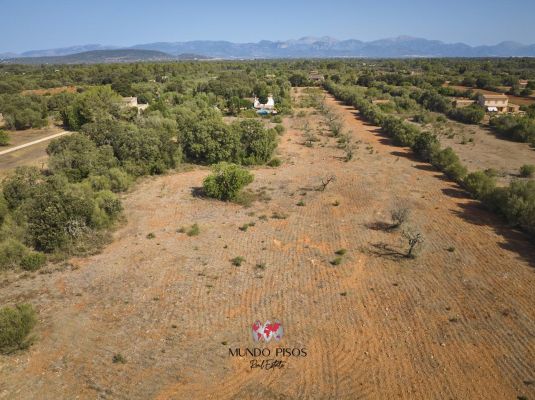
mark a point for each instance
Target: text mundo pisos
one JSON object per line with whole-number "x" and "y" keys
{"x": 268, "y": 359}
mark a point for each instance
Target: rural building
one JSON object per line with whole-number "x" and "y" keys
{"x": 1, "y": 120}
{"x": 381, "y": 101}
{"x": 494, "y": 102}
{"x": 268, "y": 108}
{"x": 513, "y": 108}
{"x": 131, "y": 102}
{"x": 523, "y": 83}
{"x": 460, "y": 103}
{"x": 316, "y": 77}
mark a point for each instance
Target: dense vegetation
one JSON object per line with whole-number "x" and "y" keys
{"x": 69, "y": 207}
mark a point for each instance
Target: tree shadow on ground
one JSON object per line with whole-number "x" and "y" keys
{"x": 380, "y": 226}
{"x": 515, "y": 240}
{"x": 384, "y": 250}
{"x": 473, "y": 212}
{"x": 198, "y": 192}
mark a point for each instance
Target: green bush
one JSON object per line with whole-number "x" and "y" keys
{"x": 447, "y": 161}
{"x": 4, "y": 138}
{"x": 472, "y": 114}
{"x": 274, "y": 162}
{"x": 33, "y": 261}
{"x": 12, "y": 253}
{"x": 518, "y": 204}
{"x": 58, "y": 213}
{"x": 426, "y": 146}
{"x": 527, "y": 170}
{"x": 257, "y": 142}
{"x": 20, "y": 185}
{"x": 226, "y": 181}
{"x": 479, "y": 184}
{"x": 279, "y": 128}
{"x": 423, "y": 118}
{"x": 518, "y": 128}
{"x": 3, "y": 208}
{"x": 16, "y": 324}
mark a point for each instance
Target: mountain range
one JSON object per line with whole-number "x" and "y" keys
{"x": 306, "y": 47}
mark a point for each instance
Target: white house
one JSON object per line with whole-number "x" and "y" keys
{"x": 494, "y": 102}
{"x": 270, "y": 105}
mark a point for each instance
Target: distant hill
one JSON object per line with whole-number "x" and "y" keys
{"x": 307, "y": 47}
{"x": 103, "y": 56}
{"x": 402, "y": 46}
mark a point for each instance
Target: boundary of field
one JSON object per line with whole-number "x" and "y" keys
{"x": 22, "y": 146}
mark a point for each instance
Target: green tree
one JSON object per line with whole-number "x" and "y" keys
{"x": 226, "y": 181}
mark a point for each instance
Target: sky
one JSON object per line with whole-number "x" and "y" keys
{"x": 42, "y": 24}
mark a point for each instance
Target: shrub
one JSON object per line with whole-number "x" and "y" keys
{"x": 448, "y": 162}
{"x": 4, "y": 138}
{"x": 237, "y": 261}
{"x": 194, "y": 230}
{"x": 414, "y": 240}
{"x": 118, "y": 358}
{"x": 12, "y": 252}
{"x": 3, "y": 208}
{"x": 479, "y": 184}
{"x": 109, "y": 203}
{"x": 517, "y": 203}
{"x": 472, "y": 114}
{"x": 257, "y": 142}
{"x": 33, "y": 261}
{"x": 422, "y": 118}
{"x": 226, "y": 181}
{"x": 336, "y": 261}
{"x": 58, "y": 213}
{"x": 527, "y": 170}
{"x": 400, "y": 214}
{"x": 20, "y": 185}
{"x": 279, "y": 128}
{"x": 426, "y": 146}
{"x": 16, "y": 323}
{"x": 274, "y": 162}
{"x": 119, "y": 180}
{"x": 518, "y": 128}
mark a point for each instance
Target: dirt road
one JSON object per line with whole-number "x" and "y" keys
{"x": 457, "y": 322}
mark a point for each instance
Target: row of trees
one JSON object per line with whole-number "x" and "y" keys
{"x": 516, "y": 202}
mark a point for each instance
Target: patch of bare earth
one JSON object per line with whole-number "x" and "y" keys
{"x": 479, "y": 149}
{"x": 453, "y": 324}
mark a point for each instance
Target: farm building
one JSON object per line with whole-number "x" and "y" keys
{"x": 1, "y": 120}
{"x": 460, "y": 103}
{"x": 513, "y": 108}
{"x": 523, "y": 83}
{"x": 132, "y": 102}
{"x": 316, "y": 77}
{"x": 268, "y": 108}
{"x": 494, "y": 102}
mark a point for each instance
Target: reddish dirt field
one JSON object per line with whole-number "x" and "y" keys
{"x": 457, "y": 322}
{"x": 479, "y": 149}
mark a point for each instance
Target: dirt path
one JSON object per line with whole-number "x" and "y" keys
{"x": 455, "y": 323}
{"x": 28, "y": 147}
{"x": 33, "y": 142}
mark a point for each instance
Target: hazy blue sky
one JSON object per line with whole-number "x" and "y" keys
{"x": 40, "y": 24}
